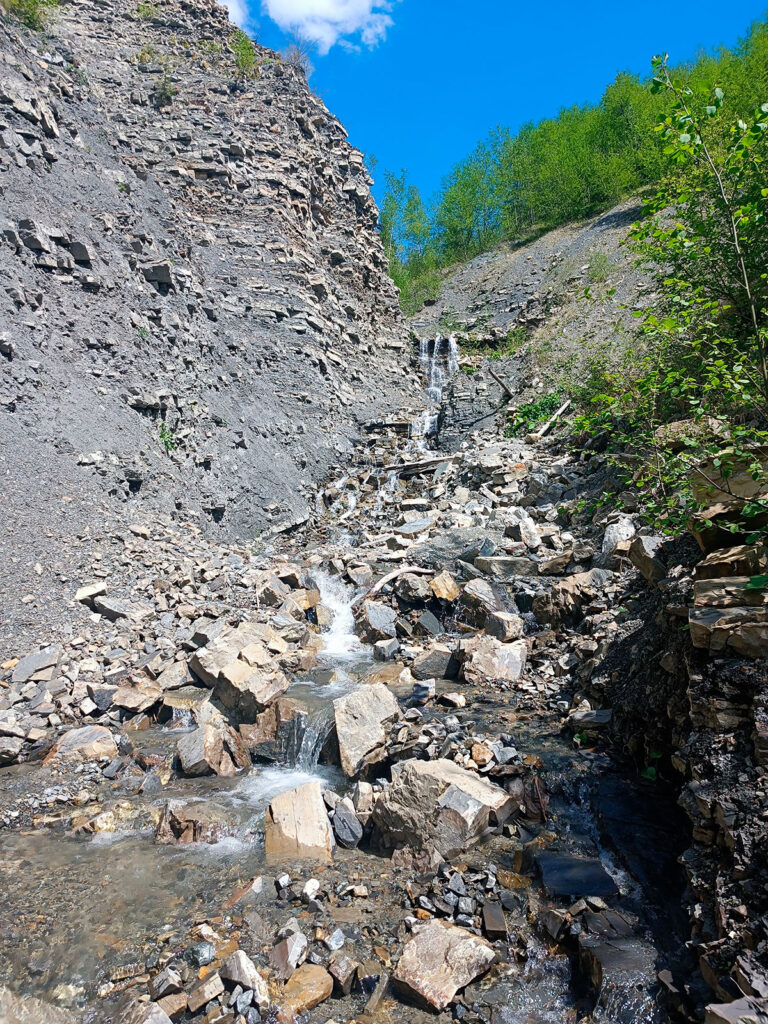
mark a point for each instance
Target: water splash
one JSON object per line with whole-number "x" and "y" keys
{"x": 339, "y": 639}
{"x": 439, "y": 361}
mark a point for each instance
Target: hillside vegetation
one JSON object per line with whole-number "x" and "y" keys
{"x": 516, "y": 185}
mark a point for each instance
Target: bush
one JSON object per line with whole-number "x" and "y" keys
{"x": 164, "y": 92}
{"x": 34, "y": 14}
{"x": 297, "y": 55}
{"x": 245, "y": 54}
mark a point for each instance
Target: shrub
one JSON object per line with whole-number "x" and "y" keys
{"x": 164, "y": 92}
{"x": 245, "y": 53}
{"x": 35, "y": 14}
{"x": 147, "y": 11}
{"x": 297, "y": 55}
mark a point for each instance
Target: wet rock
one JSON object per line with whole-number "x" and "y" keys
{"x": 28, "y": 1010}
{"x": 564, "y": 874}
{"x": 440, "y": 960}
{"x": 486, "y": 659}
{"x": 622, "y": 971}
{"x": 297, "y": 827}
{"x": 748, "y": 1010}
{"x": 437, "y": 803}
{"x": 346, "y": 827}
{"x": 240, "y": 970}
{"x": 174, "y": 1005}
{"x": 200, "y": 954}
{"x": 246, "y": 691}
{"x": 362, "y": 719}
{"x": 88, "y": 743}
{"x": 377, "y": 622}
{"x": 307, "y": 987}
{"x": 494, "y": 922}
{"x": 212, "y": 749}
{"x": 271, "y": 735}
{"x": 429, "y": 624}
{"x": 437, "y": 662}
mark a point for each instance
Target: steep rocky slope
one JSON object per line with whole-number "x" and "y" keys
{"x": 194, "y": 310}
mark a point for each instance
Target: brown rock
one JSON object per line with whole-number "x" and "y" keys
{"x": 439, "y": 961}
{"x": 307, "y": 987}
{"x": 445, "y": 587}
{"x": 297, "y": 827}
{"x": 362, "y": 719}
{"x": 89, "y": 743}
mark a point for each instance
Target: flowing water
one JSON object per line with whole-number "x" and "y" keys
{"x": 74, "y": 908}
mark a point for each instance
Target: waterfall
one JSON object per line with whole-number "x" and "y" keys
{"x": 438, "y": 366}
{"x": 316, "y": 732}
{"x": 339, "y": 639}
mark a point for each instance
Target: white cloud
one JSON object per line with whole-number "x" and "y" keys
{"x": 238, "y": 12}
{"x": 326, "y": 22}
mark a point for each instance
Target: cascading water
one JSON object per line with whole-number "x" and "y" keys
{"x": 439, "y": 361}
{"x": 339, "y": 639}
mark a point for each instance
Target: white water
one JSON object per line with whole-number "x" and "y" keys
{"x": 340, "y": 639}
{"x": 438, "y": 367}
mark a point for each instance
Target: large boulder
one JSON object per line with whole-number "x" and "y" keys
{"x": 440, "y": 960}
{"x": 297, "y": 827}
{"x": 376, "y": 622}
{"x": 89, "y": 743}
{"x": 362, "y": 717}
{"x": 438, "y": 804}
{"x": 486, "y": 659}
{"x": 212, "y": 748}
{"x": 307, "y": 987}
{"x": 247, "y": 690}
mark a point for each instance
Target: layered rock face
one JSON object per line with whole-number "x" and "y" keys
{"x": 195, "y": 313}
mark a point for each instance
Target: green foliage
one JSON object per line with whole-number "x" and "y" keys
{"x": 527, "y": 417}
{"x": 561, "y": 169}
{"x": 697, "y": 389}
{"x": 167, "y": 438}
{"x": 164, "y": 92}
{"x": 147, "y": 11}
{"x": 35, "y": 14}
{"x": 245, "y": 54}
{"x": 599, "y": 268}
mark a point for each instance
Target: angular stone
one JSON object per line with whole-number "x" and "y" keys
{"x": 10, "y": 748}
{"x": 288, "y": 954}
{"x": 269, "y": 737}
{"x": 362, "y": 717}
{"x": 48, "y": 657}
{"x": 438, "y": 662}
{"x": 174, "y": 1005}
{"x": 377, "y": 622}
{"x": 504, "y": 626}
{"x": 748, "y": 1010}
{"x": 207, "y": 662}
{"x": 445, "y": 587}
{"x": 346, "y": 827}
{"x": 412, "y": 588}
{"x": 440, "y": 960}
{"x": 307, "y": 987}
{"x": 246, "y": 691}
{"x": 140, "y": 1013}
{"x": 167, "y": 982}
{"x": 643, "y": 554}
{"x": 241, "y": 970}
{"x": 343, "y": 970}
{"x": 438, "y": 803}
{"x": 506, "y": 567}
{"x": 113, "y": 608}
{"x": 206, "y": 990}
{"x": 494, "y": 922}
{"x": 137, "y": 698}
{"x": 87, "y": 593}
{"x": 212, "y": 749}
{"x": 88, "y": 743}
{"x": 297, "y": 827}
{"x": 487, "y": 660}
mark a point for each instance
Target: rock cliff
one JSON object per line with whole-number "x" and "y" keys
{"x": 195, "y": 313}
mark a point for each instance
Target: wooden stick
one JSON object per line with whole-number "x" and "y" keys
{"x": 537, "y": 435}
{"x": 504, "y": 387}
{"x": 388, "y": 579}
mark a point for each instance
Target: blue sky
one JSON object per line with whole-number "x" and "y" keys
{"x": 417, "y": 83}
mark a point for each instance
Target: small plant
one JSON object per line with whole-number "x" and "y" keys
{"x": 35, "y": 14}
{"x": 146, "y": 11}
{"x": 146, "y": 55}
{"x": 167, "y": 438}
{"x": 526, "y": 417}
{"x": 143, "y": 333}
{"x": 245, "y": 54}
{"x": 599, "y": 268}
{"x": 164, "y": 92}
{"x": 297, "y": 56}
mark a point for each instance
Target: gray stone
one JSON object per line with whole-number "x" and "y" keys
{"x": 362, "y": 719}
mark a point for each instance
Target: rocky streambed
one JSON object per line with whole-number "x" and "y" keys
{"x": 360, "y": 772}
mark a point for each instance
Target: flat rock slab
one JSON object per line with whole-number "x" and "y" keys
{"x": 297, "y": 827}
{"x": 361, "y": 716}
{"x": 564, "y": 874}
{"x": 439, "y": 961}
{"x": 48, "y": 657}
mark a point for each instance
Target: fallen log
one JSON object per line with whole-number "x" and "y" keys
{"x": 379, "y": 586}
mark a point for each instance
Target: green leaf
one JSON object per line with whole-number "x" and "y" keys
{"x": 757, "y": 583}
